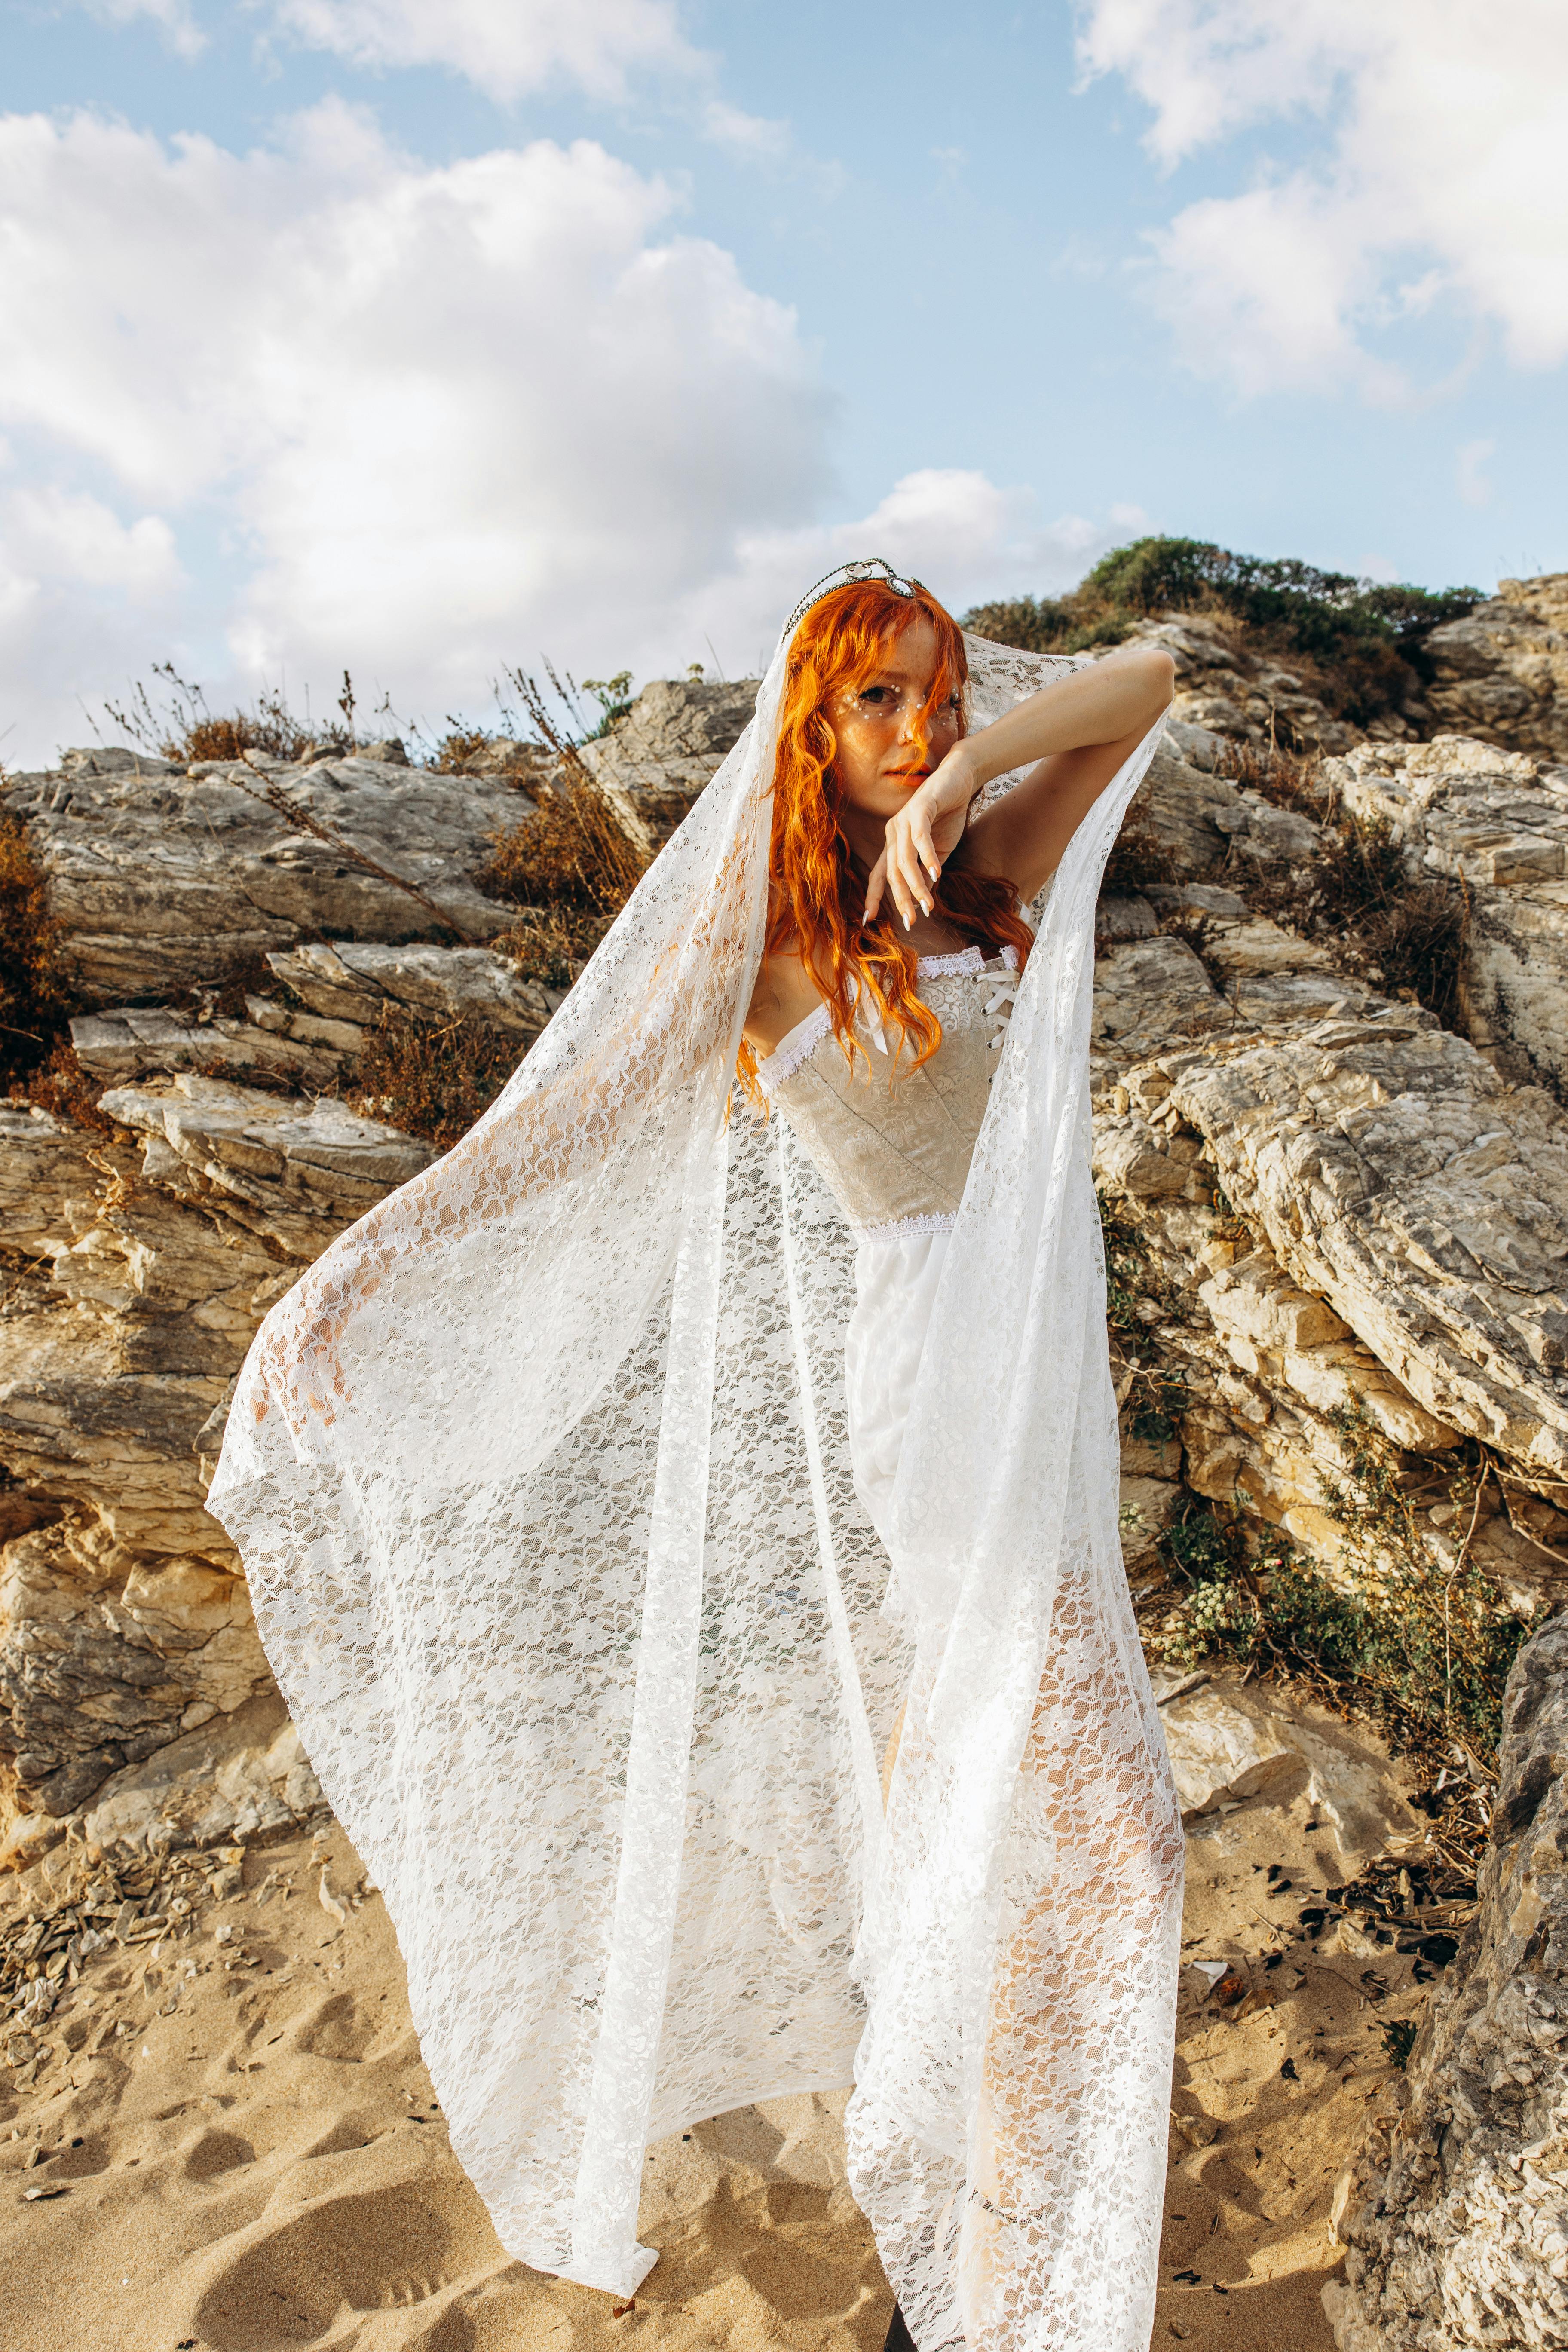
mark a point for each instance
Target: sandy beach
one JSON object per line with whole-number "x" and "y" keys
{"x": 224, "y": 2139}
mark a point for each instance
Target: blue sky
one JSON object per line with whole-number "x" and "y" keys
{"x": 418, "y": 336}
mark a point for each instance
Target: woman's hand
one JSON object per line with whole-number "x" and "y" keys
{"x": 923, "y": 835}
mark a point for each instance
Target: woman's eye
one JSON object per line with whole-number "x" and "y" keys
{"x": 874, "y": 694}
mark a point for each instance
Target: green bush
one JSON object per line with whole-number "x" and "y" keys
{"x": 1361, "y": 634}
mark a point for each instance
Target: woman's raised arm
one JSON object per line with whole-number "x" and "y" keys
{"x": 1078, "y": 731}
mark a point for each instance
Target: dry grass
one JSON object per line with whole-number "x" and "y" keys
{"x": 1136, "y": 856}
{"x": 1402, "y": 933}
{"x": 171, "y": 719}
{"x": 61, "y": 1085}
{"x": 33, "y": 995}
{"x": 431, "y": 1080}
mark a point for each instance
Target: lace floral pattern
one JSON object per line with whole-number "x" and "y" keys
{"x": 542, "y": 1482}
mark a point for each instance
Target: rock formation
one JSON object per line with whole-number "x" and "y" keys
{"x": 1503, "y": 671}
{"x": 1455, "y": 2212}
{"x": 1496, "y": 823}
{"x": 1349, "y": 1225}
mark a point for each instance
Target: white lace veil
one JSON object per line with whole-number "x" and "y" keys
{"x": 542, "y": 1483}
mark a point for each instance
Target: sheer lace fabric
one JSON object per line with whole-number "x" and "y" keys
{"x": 543, "y": 1484}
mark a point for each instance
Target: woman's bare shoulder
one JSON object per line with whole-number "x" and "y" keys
{"x": 784, "y": 994}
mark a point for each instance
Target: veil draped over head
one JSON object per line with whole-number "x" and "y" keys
{"x": 541, "y": 1481}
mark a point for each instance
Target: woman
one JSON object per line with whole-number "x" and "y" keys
{"x": 569, "y": 1539}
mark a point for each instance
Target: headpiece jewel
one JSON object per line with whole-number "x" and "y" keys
{"x": 873, "y": 567}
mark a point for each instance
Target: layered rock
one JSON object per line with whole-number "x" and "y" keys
{"x": 1349, "y": 1211}
{"x": 163, "y": 877}
{"x": 1496, "y": 822}
{"x": 143, "y": 1273}
{"x": 1455, "y": 2212}
{"x": 1503, "y": 671}
{"x": 311, "y": 1032}
{"x": 1224, "y": 687}
{"x": 655, "y": 759}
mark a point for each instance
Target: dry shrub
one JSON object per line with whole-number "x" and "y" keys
{"x": 61, "y": 1087}
{"x": 569, "y": 869}
{"x": 1291, "y": 779}
{"x": 431, "y": 1080}
{"x": 1136, "y": 856}
{"x": 174, "y": 721}
{"x": 1403, "y": 933}
{"x": 570, "y": 854}
{"x": 459, "y": 746}
{"x": 34, "y": 997}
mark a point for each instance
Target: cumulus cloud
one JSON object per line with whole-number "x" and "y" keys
{"x": 1437, "y": 178}
{"x": 507, "y": 47}
{"x": 965, "y": 538}
{"x": 173, "y": 17}
{"x": 323, "y": 405}
{"x": 80, "y": 588}
{"x": 442, "y": 416}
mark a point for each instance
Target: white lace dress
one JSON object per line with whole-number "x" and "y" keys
{"x": 1009, "y": 2242}
{"x": 548, "y": 1510}
{"x": 893, "y": 1143}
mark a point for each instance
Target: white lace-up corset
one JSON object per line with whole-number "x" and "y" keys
{"x": 893, "y": 1141}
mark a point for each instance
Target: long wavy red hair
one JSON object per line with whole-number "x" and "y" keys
{"x": 816, "y": 883}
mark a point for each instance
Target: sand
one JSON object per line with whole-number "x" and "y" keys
{"x": 239, "y": 2150}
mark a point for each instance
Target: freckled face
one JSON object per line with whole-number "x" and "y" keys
{"x": 880, "y": 762}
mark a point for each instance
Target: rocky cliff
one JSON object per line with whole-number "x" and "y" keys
{"x": 1337, "y": 1230}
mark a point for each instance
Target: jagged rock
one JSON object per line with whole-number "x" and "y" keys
{"x": 135, "y": 1289}
{"x": 1229, "y": 1743}
{"x": 163, "y": 881}
{"x": 1148, "y": 1505}
{"x": 1503, "y": 671}
{"x": 1498, "y": 822}
{"x": 1289, "y": 1174}
{"x": 1225, "y": 688}
{"x": 1395, "y": 1175}
{"x": 97, "y": 1673}
{"x": 237, "y": 1778}
{"x": 1455, "y": 2212}
{"x": 356, "y": 981}
{"x": 1188, "y": 816}
{"x": 655, "y": 759}
{"x": 285, "y": 1158}
{"x": 129, "y": 1041}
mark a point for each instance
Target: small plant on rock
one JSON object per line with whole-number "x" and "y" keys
{"x": 431, "y": 1080}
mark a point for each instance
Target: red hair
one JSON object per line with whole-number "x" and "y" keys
{"x": 817, "y": 893}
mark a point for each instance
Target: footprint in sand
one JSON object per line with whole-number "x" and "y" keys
{"x": 213, "y": 2153}
{"x": 298, "y": 2278}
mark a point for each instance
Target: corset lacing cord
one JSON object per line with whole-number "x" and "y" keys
{"x": 1004, "y": 996}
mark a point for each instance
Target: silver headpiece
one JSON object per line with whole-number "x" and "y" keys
{"x": 874, "y": 567}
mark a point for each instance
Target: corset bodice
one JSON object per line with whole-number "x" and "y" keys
{"x": 894, "y": 1141}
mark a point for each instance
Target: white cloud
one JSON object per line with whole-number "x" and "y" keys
{"x": 441, "y": 417}
{"x": 416, "y": 421}
{"x": 1437, "y": 179}
{"x": 322, "y": 405}
{"x": 507, "y": 48}
{"x": 752, "y": 137}
{"x": 965, "y": 538}
{"x": 81, "y": 592}
{"x": 173, "y": 18}
{"x": 64, "y": 535}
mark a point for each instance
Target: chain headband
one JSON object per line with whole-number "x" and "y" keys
{"x": 843, "y": 575}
